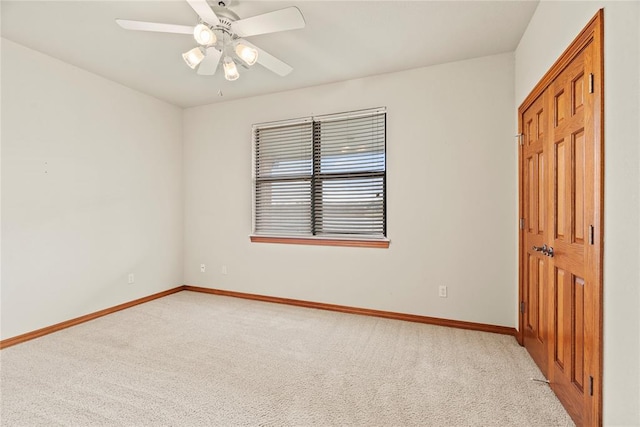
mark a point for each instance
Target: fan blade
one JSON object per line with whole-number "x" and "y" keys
{"x": 204, "y": 11}
{"x": 281, "y": 20}
{"x": 270, "y": 62}
{"x": 209, "y": 64}
{"x": 153, "y": 26}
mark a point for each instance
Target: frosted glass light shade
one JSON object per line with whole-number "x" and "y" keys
{"x": 204, "y": 35}
{"x": 193, "y": 57}
{"x": 247, "y": 54}
{"x": 230, "y": 69}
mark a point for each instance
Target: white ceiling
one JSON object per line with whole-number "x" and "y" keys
{"x": 342, "y": 40}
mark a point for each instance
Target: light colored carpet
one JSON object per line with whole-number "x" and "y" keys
{"x": 194, "y": 360}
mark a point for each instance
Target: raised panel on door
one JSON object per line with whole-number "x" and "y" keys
{"x": 568, "y": 327}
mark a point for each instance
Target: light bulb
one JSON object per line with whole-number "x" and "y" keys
{"x": 247, "y": 54}
{"x": 230, "y": 69}
{"x": 193, "y": 57}
{"x": 204, "y": 35}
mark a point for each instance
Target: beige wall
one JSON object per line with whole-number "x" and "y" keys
{"x": 551, "y": 30}
{"x": 91, "y": 191}
{"x": 451, "y": 197}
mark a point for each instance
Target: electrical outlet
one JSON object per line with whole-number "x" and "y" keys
{"x": 224, "y": 269}
{"x": 131, "y": 279}
{"x": 202, "y": 268}
{"x": 442, "y": 291}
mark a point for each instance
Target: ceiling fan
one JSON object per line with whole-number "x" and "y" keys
{"x": 220, "y": 36}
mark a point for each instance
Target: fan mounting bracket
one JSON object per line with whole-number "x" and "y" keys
{"x": 220, "y": 3}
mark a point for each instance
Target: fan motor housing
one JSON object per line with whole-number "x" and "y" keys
{"x": 225, "y": 15}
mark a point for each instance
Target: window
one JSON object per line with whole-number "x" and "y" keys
{"x": 321, "y": 180}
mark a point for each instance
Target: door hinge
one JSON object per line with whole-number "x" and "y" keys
{"x": 520, "y": 137}
{"x": 591, "y": 83}
{"x": 590, "y": 385}
{"x": 522, "y": 307}
{"x": 521, "y": 223}
{"x": 591, "y": 234}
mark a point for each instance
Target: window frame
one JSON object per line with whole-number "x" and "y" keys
{"x": 348, "y": 240}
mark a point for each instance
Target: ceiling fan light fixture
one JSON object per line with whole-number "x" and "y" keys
{"x": 222, "y": 37}
{"x": 193, "y": 57}
{"x": 204, "y": 35}
{"x": 230, "y": 69}
{"x": 247, "y": 54}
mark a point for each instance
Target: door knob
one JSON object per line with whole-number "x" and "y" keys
{"x": 542, "y": 249}
{"x": 545, "y": 250}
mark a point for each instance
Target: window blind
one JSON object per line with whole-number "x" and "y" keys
{"x": 284, "y": 170}
{"x": 321, "y": 176}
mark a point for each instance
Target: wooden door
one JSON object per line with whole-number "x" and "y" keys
{"x": 569, "y": 208}
{"x": 561, "y": 238}
{"x": 534, "y": 185}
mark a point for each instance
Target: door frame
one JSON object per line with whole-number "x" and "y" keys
{"x": 592, "y": 33}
